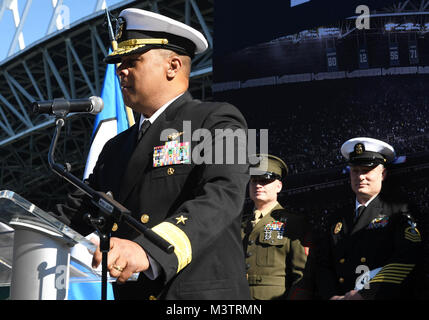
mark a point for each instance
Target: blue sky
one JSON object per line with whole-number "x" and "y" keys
{"x": 38, "y": 19}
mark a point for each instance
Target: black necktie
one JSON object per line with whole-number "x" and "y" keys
{"x": 359, "y": 213}
{"x": 143, "y": 129}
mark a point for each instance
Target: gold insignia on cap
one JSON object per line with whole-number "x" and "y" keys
{"x": 359, "y": 148}
{"x": 181, "y": 219}
{"x": 338, "y": 227}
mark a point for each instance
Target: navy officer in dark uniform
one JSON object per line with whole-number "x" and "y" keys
{"x": 372, "y": 250}
{"x": 191, "y": 199}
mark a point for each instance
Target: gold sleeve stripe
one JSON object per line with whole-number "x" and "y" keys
{"x": 180, "y": 241}
{"x": 385, "y": 280}
{"x": 393, "y": 273}
{"x": 391, "y": 276}
{"x": 396, "y": 269}
{"x": 399, "y": 266}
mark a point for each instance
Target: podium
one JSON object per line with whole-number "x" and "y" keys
{"x": 35, "y": 252}
{"x": 40, "y": 263}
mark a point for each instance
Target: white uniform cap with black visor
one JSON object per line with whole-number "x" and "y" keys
{"x": 139, "y": 31}
{"x": 369, "y": 152}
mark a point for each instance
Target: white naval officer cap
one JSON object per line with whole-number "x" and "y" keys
{"x": 369, "y": 152}
{"x": 138, "y": 31}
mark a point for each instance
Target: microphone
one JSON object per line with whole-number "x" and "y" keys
{"x": 92, "y": 105}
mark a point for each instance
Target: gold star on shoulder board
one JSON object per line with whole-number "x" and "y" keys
{"x": 181, "y": 219}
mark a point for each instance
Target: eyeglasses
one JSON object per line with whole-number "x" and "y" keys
{"x": 261, "y": 180}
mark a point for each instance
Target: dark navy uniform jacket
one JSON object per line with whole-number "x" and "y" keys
{"x": 196, "y": 207}
{"x": 384, "y": 239}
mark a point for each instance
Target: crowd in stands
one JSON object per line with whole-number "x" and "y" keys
{"x": 313, "y": 120}
{"x": 308, "y": 122}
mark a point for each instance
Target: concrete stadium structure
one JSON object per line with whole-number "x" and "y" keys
{"x": 68, "y": 64}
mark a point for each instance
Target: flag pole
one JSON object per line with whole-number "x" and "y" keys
{"x": 114, "y": 43}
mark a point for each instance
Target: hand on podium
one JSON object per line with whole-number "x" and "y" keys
{"x": 124, "y": 259}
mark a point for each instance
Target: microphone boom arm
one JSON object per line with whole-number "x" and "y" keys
{"x": 111, "y": 208}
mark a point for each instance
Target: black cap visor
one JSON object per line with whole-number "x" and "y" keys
{"x": 266, "y": 176}
{"x": 367, "y": 159}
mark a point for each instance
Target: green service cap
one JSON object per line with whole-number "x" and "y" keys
{"x": 268, "y": 166}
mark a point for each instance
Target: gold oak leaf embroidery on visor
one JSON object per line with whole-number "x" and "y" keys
{"x": 132, "y": 44}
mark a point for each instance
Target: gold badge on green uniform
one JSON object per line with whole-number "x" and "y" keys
{"x": 338, "y": 227}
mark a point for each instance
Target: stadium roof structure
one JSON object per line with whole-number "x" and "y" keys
{"x": 68, "y": 64}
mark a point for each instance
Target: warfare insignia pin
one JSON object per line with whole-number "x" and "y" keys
{"x": 174, "y": 136}
{"x": 338, "y": 227}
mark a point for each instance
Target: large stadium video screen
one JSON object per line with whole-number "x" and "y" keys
{"x": 317, "y": 73}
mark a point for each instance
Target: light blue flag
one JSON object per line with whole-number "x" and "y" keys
{"x": 111, "y": 120}
{"x": 108, "y": 123}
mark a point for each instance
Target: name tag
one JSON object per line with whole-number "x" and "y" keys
{"x": 173, "y": 152}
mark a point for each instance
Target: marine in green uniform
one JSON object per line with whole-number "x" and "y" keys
{"x": 275, "y": 257}
{"x": 371, "y": 250}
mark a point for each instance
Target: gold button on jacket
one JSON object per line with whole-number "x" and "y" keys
{"x": 144, "y": 218}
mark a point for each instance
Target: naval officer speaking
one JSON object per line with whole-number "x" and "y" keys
{"x": 193, "y": 206}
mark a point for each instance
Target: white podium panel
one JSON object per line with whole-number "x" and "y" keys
{"x": 35, "y": 247}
